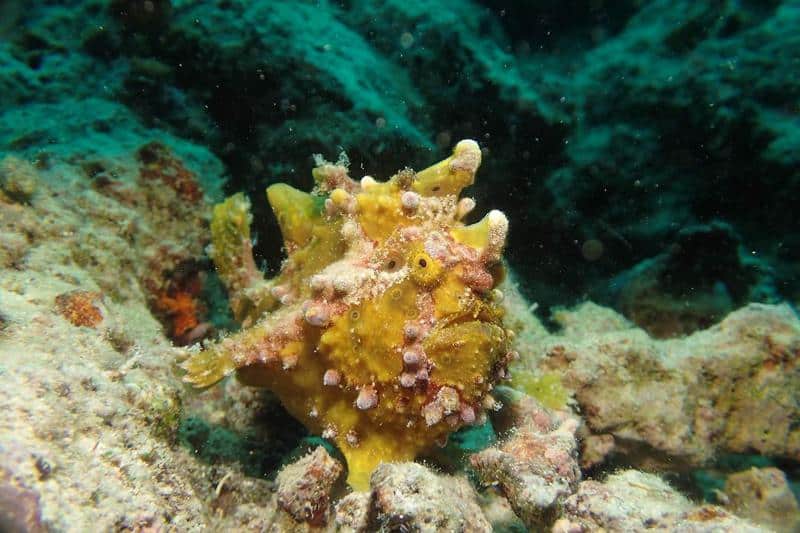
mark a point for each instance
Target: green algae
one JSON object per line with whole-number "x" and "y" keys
{"x": 162, "y": 412}
{"x": 546, "y": 388}
{"x": 213, "y": 444}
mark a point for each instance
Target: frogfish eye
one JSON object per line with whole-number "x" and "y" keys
{"x": 425, "y": 270}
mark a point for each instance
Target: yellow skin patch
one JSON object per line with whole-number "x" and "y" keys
{"x": 381, "y": 331}
{"x": 364, "y": 343}
{"x": 380, "y": 212}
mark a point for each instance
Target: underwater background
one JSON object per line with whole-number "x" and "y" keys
{"x": 646, "y": 154}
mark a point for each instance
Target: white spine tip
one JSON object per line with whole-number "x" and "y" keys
{"x": 367, "y": 398}
{"x": 467, "y": 145}
{"x": 410, "y": 331}
{"x": 464, "y": 207}
{"x": 408, "y": 380}
{"x": 331, "y": 378}
{"x": 467, "y": 156}
{"x": 411, "y": 357}
{"x": 367, "y": 182}
{"x": 317, "y": 316}
{"x": 498, "y": 230}
{"x": 410, "y": 200}
{"x": 498, "y": 220}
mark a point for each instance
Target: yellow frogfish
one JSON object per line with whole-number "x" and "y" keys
{"x": 383, "y": 331}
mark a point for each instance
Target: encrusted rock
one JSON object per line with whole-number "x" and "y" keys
{"x": 18, "y": 180}
{"x": 304, "y": 487}
{"x": 763, "y": 496}
{"x": 79, "y": 307}
{"x": 352, "y": 512}
{"x": 674, "y": 403}
{"x": 410, "y": 497}
{"x": 536, "y": 466}
{"x": 635, "y": 501}
{"x": 19, "y": 506}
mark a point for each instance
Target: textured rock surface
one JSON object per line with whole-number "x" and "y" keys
{"x": 675, "y": 403}
{"x": 635, "y": 501}
{"x": 410, "y": 497}
{"x": 763, "y": 496}
{"x": 536, "y": 466}
{"x": 89, "y": 409}
{"x": 304, "y": 487}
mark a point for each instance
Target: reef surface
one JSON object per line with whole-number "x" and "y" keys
{"x": 98, "y": 430}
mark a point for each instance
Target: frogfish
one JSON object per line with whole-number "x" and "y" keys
{"x": 383, "y": 331}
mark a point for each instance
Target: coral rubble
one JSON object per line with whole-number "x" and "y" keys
{"x": 673, "y": 404}
{"x": 382, "y": 331}
{"x": 635, "y": 501}
{"x": 96, "y": 406}
{"x": 89, "y": 402}
{"x": 304, "y": 487}
{"x": 536, "y": 467}
{"x": 763, "y": 496}
{"x": 410, "y": 497}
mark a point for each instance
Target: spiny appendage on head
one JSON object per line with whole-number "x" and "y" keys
{"x": 232, "y": 253}
{"x": 387, "y": 333}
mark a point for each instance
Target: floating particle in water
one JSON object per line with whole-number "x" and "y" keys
{"x": 406, "y": 40}
{"x": 592, "y": 250}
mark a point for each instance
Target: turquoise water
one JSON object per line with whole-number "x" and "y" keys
{"x": 611, "y": 134}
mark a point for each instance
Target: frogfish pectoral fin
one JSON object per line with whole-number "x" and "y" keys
{"x": 205, "y": 368}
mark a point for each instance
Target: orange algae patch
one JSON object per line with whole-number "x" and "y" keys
{"x": 182, "y": 308}
{"x": 79, "y": 308}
